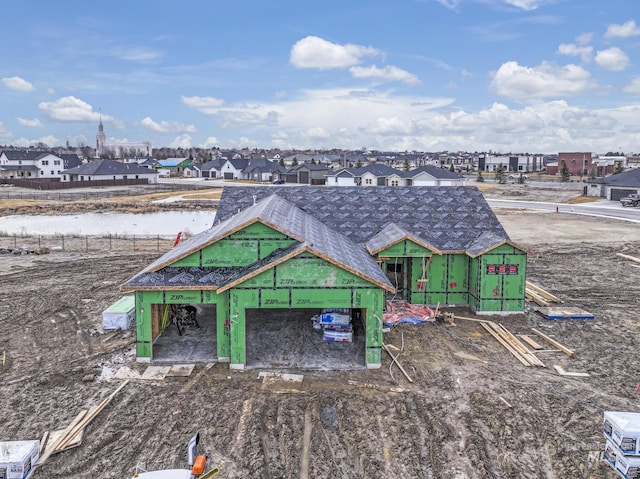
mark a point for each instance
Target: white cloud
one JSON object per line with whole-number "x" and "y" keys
{"x": 316, "y": 52}
{"x": 584, "y": 38}
{"x": 625, "y": 30}
{"x": 69, "y": 109}
{"x": 450, "y": 4}
{"x": 612, "y": 59}
{"x": 544, "y": 81}
{"x": 527, "y": 5}
{"x": 571, "y": 49}
{"x": 388, "y": 73}
{"x": 17, "y": 84}
{"x": 48, "y": 140}
{"x": 633, "y": 86}
{"x": 33, "y": 123}
{"x": 6, "y": 137}
{"x": 210, "y": 142}
{"x": 167, "y": 126}
{"x": 204, "y": 104}
{"x": 135, "y": 54}
{"x": 181, "y": 141}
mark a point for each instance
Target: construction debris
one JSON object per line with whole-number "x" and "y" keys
{"x": 513, "y": 345}
{"x": 507, "y": 339}
{"x": 394, "y": 360}
{"x": 562, "y": 372}
{"x": 17, "y": 458}
{"x": 72, "y": 435}
{"x": 564, "y": 312}
{"x": 554, "y": 343}
{"x": 539, "y": 296}
{"x": 630, "y": 258}
{"x": 530, "y": 341}
{"x": 403, "y": 312}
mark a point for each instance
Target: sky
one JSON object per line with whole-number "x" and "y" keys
{"x": 507, "y": 76}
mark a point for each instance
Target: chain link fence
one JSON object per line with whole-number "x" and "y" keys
{"x": 23, "y": 244}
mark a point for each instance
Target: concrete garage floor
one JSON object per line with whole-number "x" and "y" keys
{"x": 276, "y": 339}
{"x": 195, "y": 345}
{"x": 285, "y": 339}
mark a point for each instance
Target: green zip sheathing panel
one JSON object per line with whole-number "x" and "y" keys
{"x": 498, "y": 280}
{"x": 146, "y": 299}
{"x": 441, "y": 279}
{"x": 404, "y": 248}
{"x": 302, "y": 282}
{"x": 305, "y": 282}
{"x": 242, "y": 248}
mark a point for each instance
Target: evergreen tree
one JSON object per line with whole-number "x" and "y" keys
{"x": 618, "y": 168}
{"x": 281, "y": 162}
{"x": 521, "y": 179}
{"x": 405, "y": 166}
{"x": 480, "y": 178}
{"x": 451, "y": 168}
{"x": 501, "y": 176}
{"x": 593, "y": 173}
{"x": 358, "y": 163}
{"x": 295, "y": 161}
{"x": 564, "y": 172}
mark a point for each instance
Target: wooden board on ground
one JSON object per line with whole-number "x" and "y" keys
{"x": 155, "y": 372}
{"x": 125, "y": 372}
{"x": 562, "y": 372}
{"x": 75, "y": 441}
{"x": 274, "y": 377}
{"x": 554, "y": 343}
{"x": 530, "y": 341}
{"x": 564, "y": 312}
{"x": 181, "y": 370}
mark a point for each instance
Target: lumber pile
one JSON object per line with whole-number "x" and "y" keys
{"x": 554, "y": 343}
{"x": 71, "y": 436}
{"x": 539, "y": 296}
{"x": 512, "y": 344}
{"x": 508, "y": 340}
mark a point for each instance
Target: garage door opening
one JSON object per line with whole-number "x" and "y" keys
{"x": 287, "y": 339}
{"x": 194, "y": 341}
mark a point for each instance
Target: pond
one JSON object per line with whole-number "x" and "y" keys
{"x": 162, "y": 223}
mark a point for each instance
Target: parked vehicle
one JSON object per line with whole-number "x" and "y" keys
{"x": 631, "y": 200}
{"x": 517, "y": 175}
{"x": 278, "y": 182}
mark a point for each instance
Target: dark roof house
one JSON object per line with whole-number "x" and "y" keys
{"x": 309, "y": 249}
{"x": 109, "y": 170}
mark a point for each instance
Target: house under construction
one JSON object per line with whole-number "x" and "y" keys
{"x": 275, "y": 251}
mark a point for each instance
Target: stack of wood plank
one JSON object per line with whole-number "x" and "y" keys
{"x": 513, "y": 344}
{"x": 71, "y": 436}
{"x": 539, "y": 296}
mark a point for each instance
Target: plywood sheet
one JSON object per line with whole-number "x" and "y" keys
{"x": 564, "y": 312}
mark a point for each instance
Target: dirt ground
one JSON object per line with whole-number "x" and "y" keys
{"x": 472, "y": 411}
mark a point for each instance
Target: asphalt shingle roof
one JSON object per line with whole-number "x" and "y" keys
{"x": 630, "y": 178}
{"x": 108, "y": 167}
{"x": 447, "y": 218}
{"x": 310, "y": 235}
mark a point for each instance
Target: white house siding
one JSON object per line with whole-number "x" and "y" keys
{"x": 152, "y": 178}
{"x": 228, "y": 171}
{"x": 395, "y": 180}
{"x": 346, "y": 181}
{"x": 50, "y": 166}
{"x": 367, "y": 179}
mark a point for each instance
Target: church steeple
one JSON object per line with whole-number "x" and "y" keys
{"x": 100, "y": 139}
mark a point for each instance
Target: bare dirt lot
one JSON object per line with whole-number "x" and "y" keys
{"x": 472, "y": 410}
